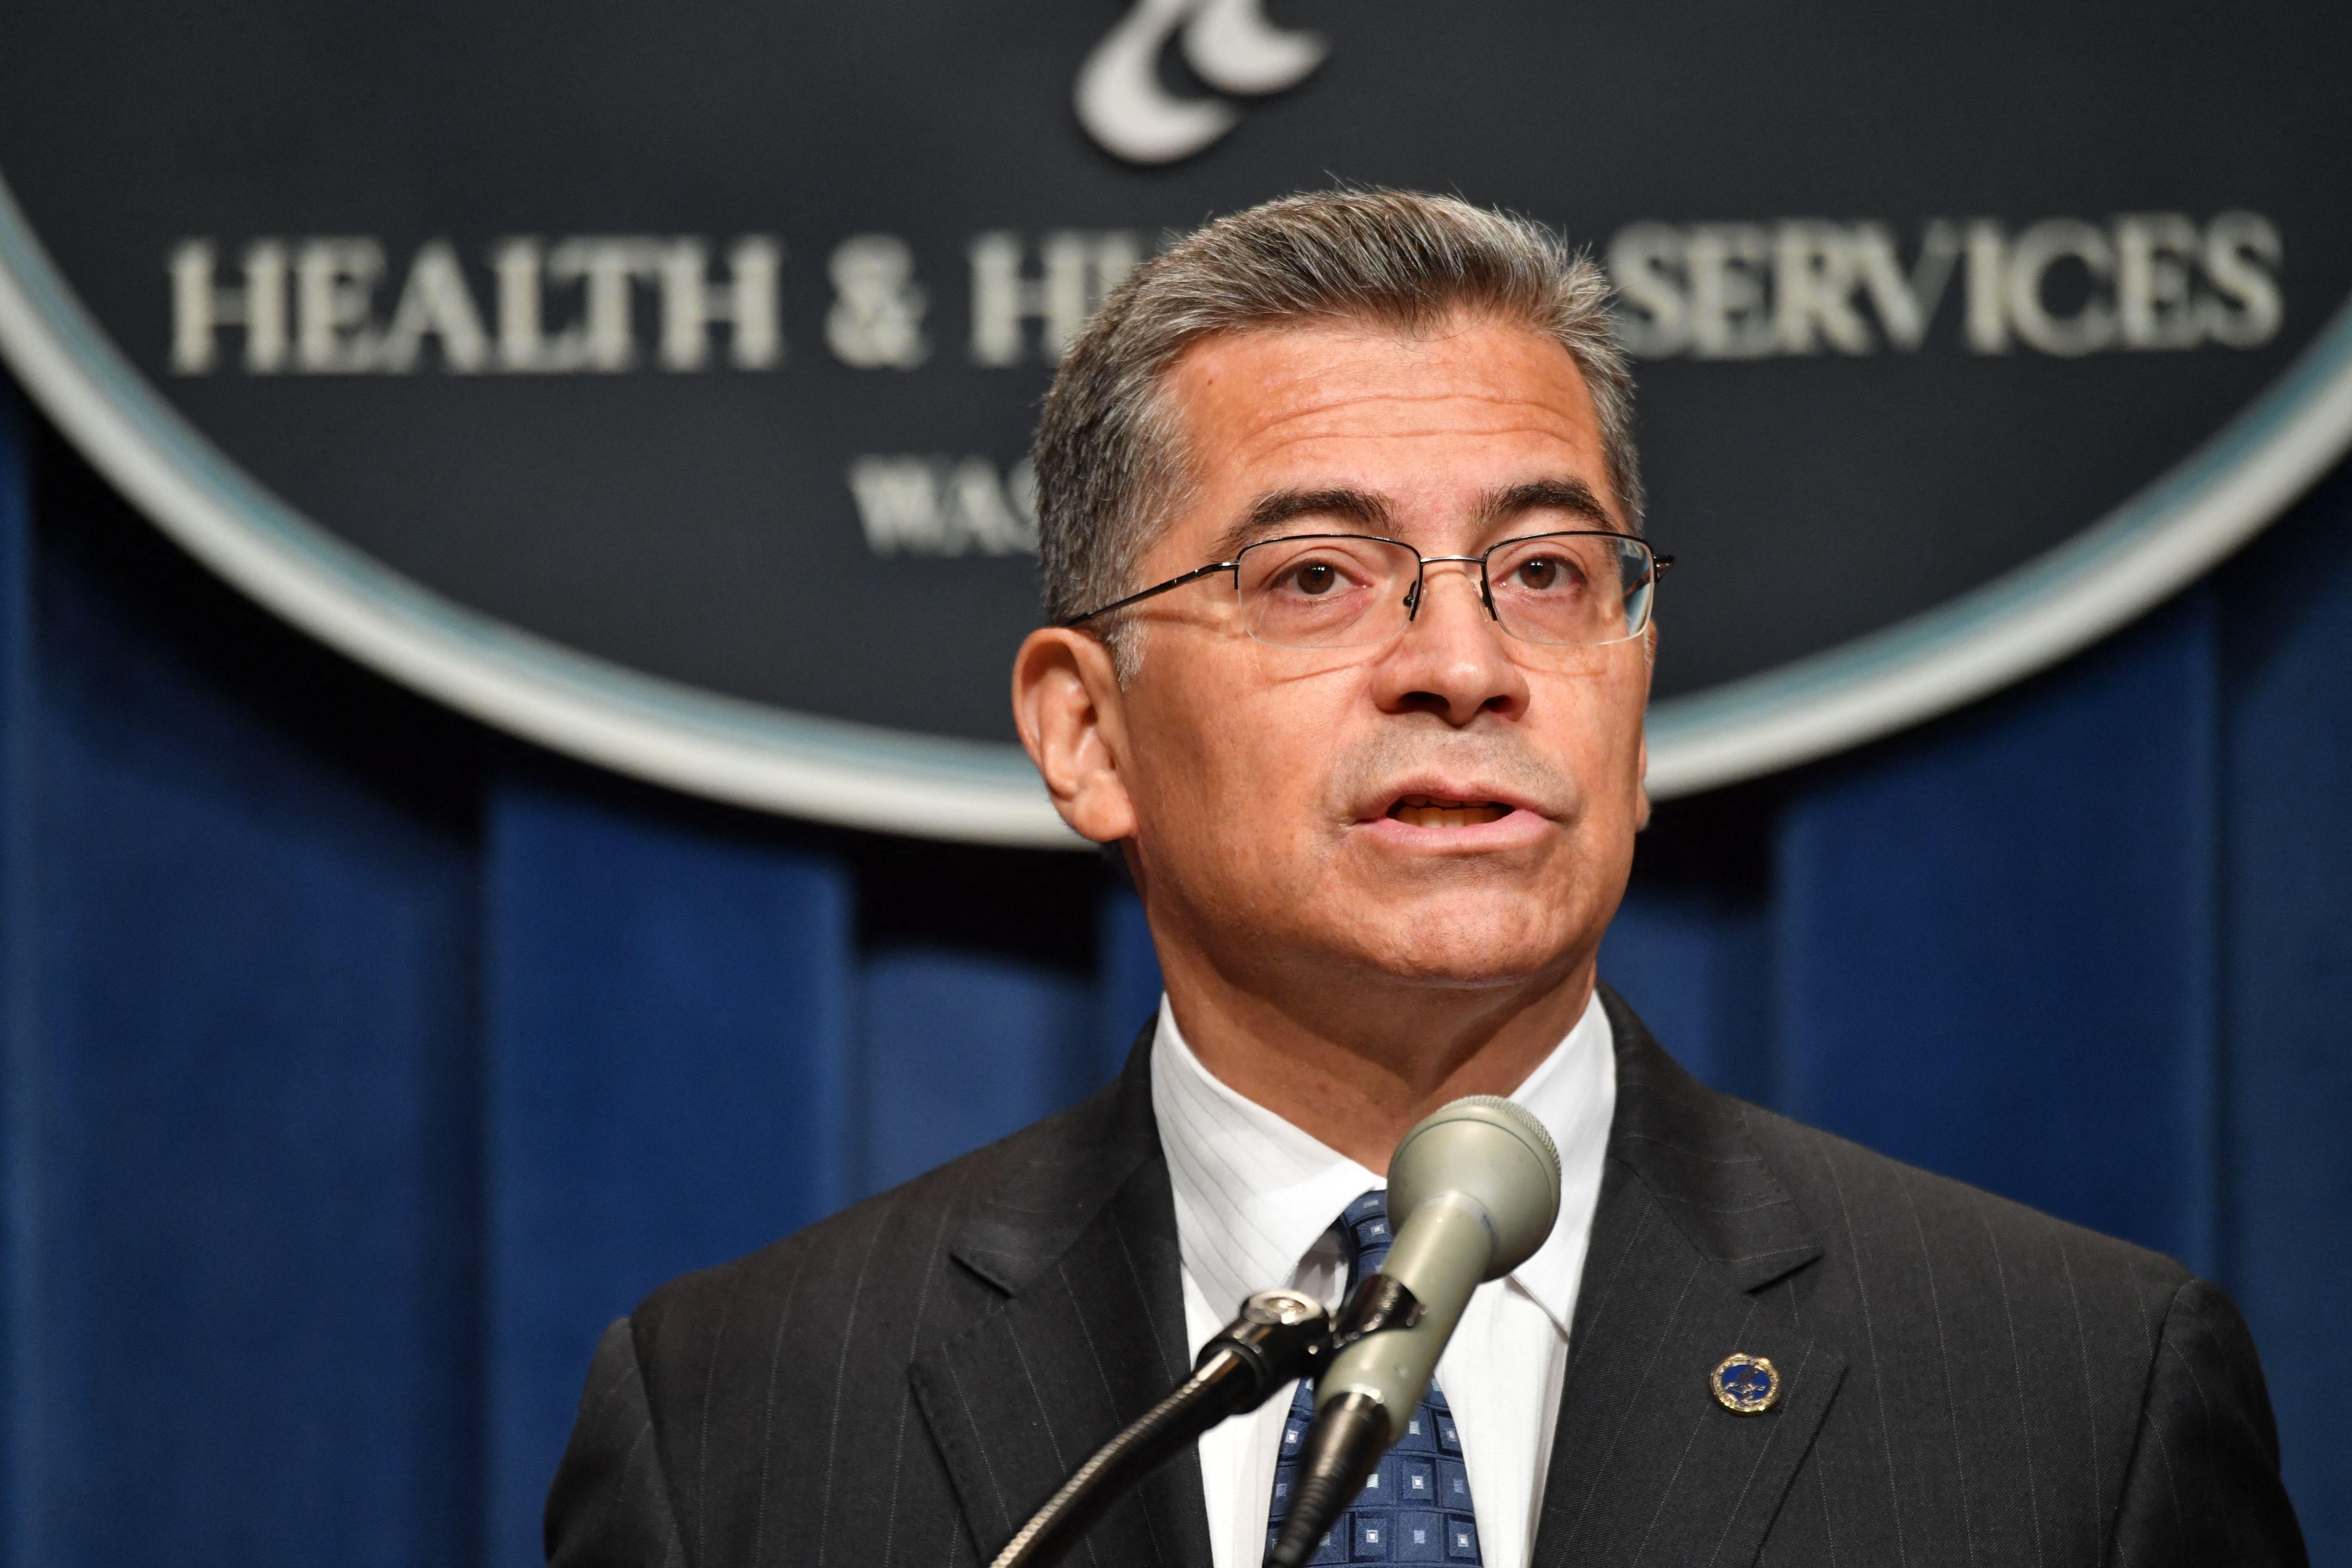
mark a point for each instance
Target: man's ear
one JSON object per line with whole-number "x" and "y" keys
{"x": 1067, "y": 704}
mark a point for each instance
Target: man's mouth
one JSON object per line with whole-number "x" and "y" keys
{"x": 1433, "y": 811}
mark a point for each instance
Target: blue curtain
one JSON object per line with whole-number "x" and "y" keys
{"x": 357, "y": 1065}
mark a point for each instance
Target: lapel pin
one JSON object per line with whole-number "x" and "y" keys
{"x": 1745, "y": 1385}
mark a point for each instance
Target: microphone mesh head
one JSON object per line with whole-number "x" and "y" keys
{"x": 1492, "y": 1151}
{"x": 1518, "y": 1114}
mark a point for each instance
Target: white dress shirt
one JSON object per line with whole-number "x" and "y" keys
{"x": 1254, "y": 1202}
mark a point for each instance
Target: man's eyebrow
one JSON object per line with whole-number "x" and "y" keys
{"x": 1568, "y": 495}
{"x": 1270, "y": 512}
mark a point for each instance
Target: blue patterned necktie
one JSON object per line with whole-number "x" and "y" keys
{"x": 1416, "y": 1507}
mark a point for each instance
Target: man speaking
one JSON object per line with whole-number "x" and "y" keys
{"x": 1352, "y": 636}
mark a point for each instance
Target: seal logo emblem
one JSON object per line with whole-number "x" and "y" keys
{"x": 1745, "y": 1385}
{"x": 1228, "y": 44}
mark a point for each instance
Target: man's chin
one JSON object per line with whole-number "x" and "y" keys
{"x": 1477, "y": 944}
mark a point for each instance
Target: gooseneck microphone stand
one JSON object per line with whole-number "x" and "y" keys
{"x": 1281, "y": 1336}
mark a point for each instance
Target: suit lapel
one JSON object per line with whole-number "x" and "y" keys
{"x": 1692, "y": 1235}
{"x": 1089, "y": 1336}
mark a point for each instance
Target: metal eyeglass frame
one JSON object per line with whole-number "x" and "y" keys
{"x": 1658, "y": 565}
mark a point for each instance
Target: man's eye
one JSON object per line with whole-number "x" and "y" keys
{"x": 1538, "y": 574}
{"x": 1315, "y": 577}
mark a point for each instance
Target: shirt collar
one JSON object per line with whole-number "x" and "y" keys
{"x": 1254, "y": 1194}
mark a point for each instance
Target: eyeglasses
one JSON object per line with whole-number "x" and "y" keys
{"x": 1355, "y": 590}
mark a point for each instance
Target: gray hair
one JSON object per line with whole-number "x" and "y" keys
{"x": 1109, "y": 450}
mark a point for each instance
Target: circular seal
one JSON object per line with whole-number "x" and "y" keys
{"x": 1745, "y": 1385}
{"x": 678, "y": 421}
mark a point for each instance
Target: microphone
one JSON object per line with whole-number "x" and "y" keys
{"x": 1474, "y": 1189}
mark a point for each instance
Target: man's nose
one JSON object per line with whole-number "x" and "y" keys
{"x": 1451, "y": 659}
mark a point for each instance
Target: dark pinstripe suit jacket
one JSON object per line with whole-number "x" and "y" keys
{"x": 1967, "y": 1381}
